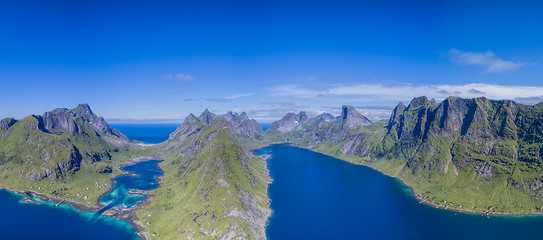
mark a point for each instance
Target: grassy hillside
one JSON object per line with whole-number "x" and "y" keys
{"x": 212, "y": 189}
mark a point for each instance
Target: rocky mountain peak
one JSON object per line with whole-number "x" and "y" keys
{"x": 242, "y": 125}
{"x": 394, "y": 117}
{"x": 191, "y": 125}
{"x": 191, "y": 119}
{"x": 290, "y": 122}
{"x": 244, "y": 116}
{"x": 7, "y": 123}
{"x": 327, "y": 117}
{"x": 351, "y": 119}
{"x": 207, "y": 117}
{"x": 421, "y": 101}
{"x": 83, "y": 109}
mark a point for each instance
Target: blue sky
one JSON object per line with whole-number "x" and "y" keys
{"x": 163, "y": 60}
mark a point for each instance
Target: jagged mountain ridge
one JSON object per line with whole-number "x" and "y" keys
{"x": 239, "y": 124}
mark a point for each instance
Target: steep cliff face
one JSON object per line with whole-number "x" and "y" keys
{"x": 58, "y": 143}
{"x": 352, "y": 119}
{"x": 479, "y": 134}
{"x": 213, "y": 187}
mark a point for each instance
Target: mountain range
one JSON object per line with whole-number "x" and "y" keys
{"x": 483, "y": 155}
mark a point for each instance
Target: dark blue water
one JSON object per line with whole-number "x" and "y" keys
{"x": 146, "y": 179}
{"x": 314, "y": 196}
{"x": 43, "y": 220}
{"x": 265, "y": 126}
{"x": 146, "y": 132}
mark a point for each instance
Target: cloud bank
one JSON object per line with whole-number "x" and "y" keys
{"x": 229, "y": 98}
{"x": 403, "y": 92}
{"x": 488, "y": 60}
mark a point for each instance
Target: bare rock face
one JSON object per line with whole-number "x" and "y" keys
{"x": 242, "y": 125}
{"x": 352, "y": 119}
{"x": 6, "y": 123}
{"x": 190, "y": 126}
{"x": 291, "y": 122}
{"x": 326, "y": 117}
{"x": 79, "y": 121}
{"x": 207, "y": 117}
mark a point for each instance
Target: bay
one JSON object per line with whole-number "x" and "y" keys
{"x": 45, "y": 220}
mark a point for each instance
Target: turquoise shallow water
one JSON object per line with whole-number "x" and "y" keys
{"x": 315, "y": 196}
{"x": 147, "y": 172}
{"x": 43, "y": 220}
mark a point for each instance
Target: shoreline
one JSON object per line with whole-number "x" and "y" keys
{"x": 124, "y": 214}
{"x": 267, "y": 157}
{"x": 413, "y": 193}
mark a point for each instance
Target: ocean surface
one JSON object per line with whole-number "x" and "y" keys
{"x": 146, "y": 132}
{"x": 315, "y": 196}
{"x": 265, "y": 126}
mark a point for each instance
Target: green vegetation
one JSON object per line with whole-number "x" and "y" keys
{"x": 470, "y": 154}
{"x": 212, "y": 188}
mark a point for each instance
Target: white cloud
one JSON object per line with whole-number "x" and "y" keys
{"x": 229, "y": 98}
{"x": 487, "y": 60}
{"x": 405, "y": 92}
{"x": 181, "y": 77}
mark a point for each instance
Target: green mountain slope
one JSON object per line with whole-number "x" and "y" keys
{"x": 478, "y": 153}
{"x": 213, "y": 188}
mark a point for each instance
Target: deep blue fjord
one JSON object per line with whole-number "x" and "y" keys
{"x": 315, "y": 196}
